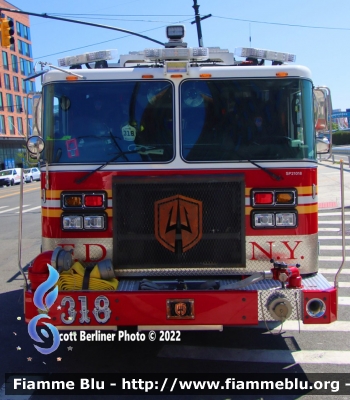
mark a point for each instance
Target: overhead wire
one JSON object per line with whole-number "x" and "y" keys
{"x": 283, "y": 24}
{"x": 105, "y": 41}
{"x": 107, "y": 16}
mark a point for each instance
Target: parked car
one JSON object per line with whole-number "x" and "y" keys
{"x": 10, "y": 177}
{"x": 322, "y": 143}
{"x": 32, "y": 174}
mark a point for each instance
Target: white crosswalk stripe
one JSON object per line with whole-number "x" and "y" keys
{"x": 16, "y": 210}
{"x": 333, "y": 271}
{"x": 30, "y": 209}
{"x": 9, "y": 209}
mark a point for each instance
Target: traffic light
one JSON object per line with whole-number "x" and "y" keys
{"x": 7, "y": 32}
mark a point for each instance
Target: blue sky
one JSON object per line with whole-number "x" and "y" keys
{"x": 317, "y": 31}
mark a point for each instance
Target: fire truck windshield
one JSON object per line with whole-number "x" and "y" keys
{"x": 221, "y": 120}
{"x": 104, "y": 122}
{"x": 247, "y": 119}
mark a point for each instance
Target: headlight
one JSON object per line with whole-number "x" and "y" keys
{"x": 84, "y": 222}
{"x": 94, "y": 222}
{"x": 285, "y": 219}
{"x": 264, "y": 219}
{"x": 274, "y": 219}
{"x": 72, "y": 222}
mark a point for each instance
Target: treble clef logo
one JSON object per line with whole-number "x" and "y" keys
{"x": 50, "y": 298}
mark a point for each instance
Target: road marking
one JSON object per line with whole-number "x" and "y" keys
{"x": 344, "y": 284}
{"x": 11, "y": 209}
{"x": 294, "y": 325}
{"x": 30, "y": 209}
{"x": 335, "y": 247}
{"x": 329, "y": 222}
{"x": 332, "y": 237}
{"x": 344, "y": 271}
{"x": 330, "y": 258}
{"x": 343, "y": 301}
{"x": 329, "y": 214}
{"x": 16, "y": 193}
{"x": 329, "y": 229}
{"x": 249, "y": 355}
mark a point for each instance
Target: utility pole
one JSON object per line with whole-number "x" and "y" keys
{"x": 197, "y": 21}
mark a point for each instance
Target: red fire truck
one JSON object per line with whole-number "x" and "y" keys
{"x": 179, "y": 190}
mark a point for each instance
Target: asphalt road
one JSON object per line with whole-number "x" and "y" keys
{"x": 315, "y": 349}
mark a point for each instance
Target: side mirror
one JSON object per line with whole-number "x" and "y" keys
{"x": 323, "y": 119}
{"x": 35, "y": 145}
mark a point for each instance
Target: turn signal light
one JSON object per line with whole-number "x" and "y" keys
{"x": 73, "y": 201}
{"x": 285, "y": 198}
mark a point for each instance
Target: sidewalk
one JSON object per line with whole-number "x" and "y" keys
{"x": 329, "y": 195}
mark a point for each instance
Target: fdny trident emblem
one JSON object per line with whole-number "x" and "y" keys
{"x": 180, "y": 309}
{"x": 178, "y": 222}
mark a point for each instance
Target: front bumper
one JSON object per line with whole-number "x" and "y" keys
{"x": 129, "y": 306}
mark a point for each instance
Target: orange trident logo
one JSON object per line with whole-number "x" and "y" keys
{"x": 178, "y": 222}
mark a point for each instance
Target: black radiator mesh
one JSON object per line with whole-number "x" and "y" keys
{"x": 222, "y": 239}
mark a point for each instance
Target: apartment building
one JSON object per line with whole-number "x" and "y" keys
{"x": 15, "y": 106}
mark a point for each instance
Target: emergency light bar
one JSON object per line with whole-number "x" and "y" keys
{"x": 177, "y": 53}
{"x": 264, "y": 54}
{"x": 87, "y": 58}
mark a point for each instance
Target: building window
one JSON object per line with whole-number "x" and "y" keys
{"x": 23, "y": 65}
{"x": 11, "y": 122}
{"x": 15, "y": 84}
{"x": 31, "y": 86}
{"x": 24, "y": 48}
{"x": 20, "y": 50}
{"x": 24, "y": 86}
{"x": 20, "y": 125}
{"x": 1, "y": 103}
{"x": 9, "y": 100}
{"x": 5, "y": 61}
{"x": 30, "y": 127}
{"x": 7, "y": 81}
{"x": 29, "y": 68}
{"x": 23, "y": 31}
{"x": 28, "y": 106}
{"x": 18, "y": 103}
{"x": 2, "y": 124}
{"x": 14, "y": 62}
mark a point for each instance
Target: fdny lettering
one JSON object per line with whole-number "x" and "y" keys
{"x": 268, "y": 253}
{"x": 90, "y": 251}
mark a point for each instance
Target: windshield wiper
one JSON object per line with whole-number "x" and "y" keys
{"x": 138, "y": 149}
{"x": 270, "y": 173}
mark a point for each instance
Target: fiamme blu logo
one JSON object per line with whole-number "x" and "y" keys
{"x": 44, "y": 292}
